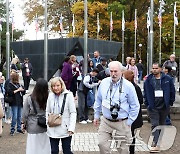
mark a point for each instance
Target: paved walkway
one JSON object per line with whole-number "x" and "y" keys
{"x": 85, "y": 140}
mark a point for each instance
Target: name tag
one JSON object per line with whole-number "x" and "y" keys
{"x": 1, "y": 95}
{"x": 158, "y": 93}
{"x": 97, "y": 63}
{"x": 174, "y": 68}
{"x": 106, "y": 103}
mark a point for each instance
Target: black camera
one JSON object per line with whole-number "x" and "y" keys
{"x": 95, "y": 80}
{"x": 114, "y": 111}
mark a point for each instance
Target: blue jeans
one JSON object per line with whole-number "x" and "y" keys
{"x": 16, "y": 118}
{"x": 174, "y": 79}
{"x": 66, "y": 145}
{"x": 8, "y": 113}
{"x": 140, "y": 73}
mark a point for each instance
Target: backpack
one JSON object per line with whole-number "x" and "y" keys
{"x": 82, "y": 87}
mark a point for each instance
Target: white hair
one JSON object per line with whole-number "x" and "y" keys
{"x": 116, "y": 63}
{"x": 172, "y": 55}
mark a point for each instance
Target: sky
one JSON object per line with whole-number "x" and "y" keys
{"x": 19, "y": 18}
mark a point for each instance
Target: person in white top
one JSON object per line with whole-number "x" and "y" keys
{"x": 64, "y": 131}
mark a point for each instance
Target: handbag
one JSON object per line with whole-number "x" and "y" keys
{"x": 56, "y": 119}
{"x": 8, "y": 99}
{"x": 41, "y": 119}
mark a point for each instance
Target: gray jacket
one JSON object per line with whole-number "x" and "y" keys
{"x": 30, "y": 118}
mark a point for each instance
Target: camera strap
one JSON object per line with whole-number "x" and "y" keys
{"x": 120, "y": 91}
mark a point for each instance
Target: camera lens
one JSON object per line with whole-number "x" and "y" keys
{"x": 114, "y": 111}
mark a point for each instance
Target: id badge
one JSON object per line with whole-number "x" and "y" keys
{"x": 97, "y": 63}
{"x": 158, "y": 93}
{"x": 174, "y": 68}
{"x": 106, "y": 103}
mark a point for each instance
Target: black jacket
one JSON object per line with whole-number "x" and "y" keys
{"x": 23, "y": 68}
{"x": 17, "y": 97}
{"x": 139, "y": 121}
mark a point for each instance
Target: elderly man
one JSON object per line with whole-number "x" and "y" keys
{"x": 173, "y": 65}
{"x": 118, "y": 102}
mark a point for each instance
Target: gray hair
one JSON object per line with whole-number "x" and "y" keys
{"x": 172, "y": 55}
{"x": 116, "y": 63}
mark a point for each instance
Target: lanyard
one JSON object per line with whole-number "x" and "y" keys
{"x": 56, "y": 98}
{"x": 120, "y": 91}
{"x": 155, "y": 83}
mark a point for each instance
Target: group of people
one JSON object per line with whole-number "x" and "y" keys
{"x": 120, "y": 104}
{"x": 84, "y": 85}
{"x": 11, "y": 93}
{"x": 117, "y": 105}
{"x": 46, "y": 140}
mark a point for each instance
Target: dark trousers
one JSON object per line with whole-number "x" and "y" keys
{"x": 82, "y": 106}
{"x": 26, "y": 80}
{"x": 132, "y": 147}
{"x": 157, "y": 117}
{"x": 66, "y": 145}
{"x": 73, "y": 87}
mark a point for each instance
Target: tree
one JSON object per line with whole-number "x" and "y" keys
{"x": 55, "y": 9}
{"x": 104, "y": 7}
{"x": 16, "y": 33}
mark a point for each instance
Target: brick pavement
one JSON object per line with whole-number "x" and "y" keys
{"x": 84, "y": 141}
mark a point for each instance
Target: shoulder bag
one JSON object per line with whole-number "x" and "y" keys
{"x": 56, "y": 119}
{"x": 41, "y": 118}
{"x": 8, "y": 99}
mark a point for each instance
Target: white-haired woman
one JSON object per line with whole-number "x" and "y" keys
{"x": 67, "y": 127}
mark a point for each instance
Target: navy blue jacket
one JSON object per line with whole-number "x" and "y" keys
{"x": 168, "y": 91}
{"x": 94, "y": 60}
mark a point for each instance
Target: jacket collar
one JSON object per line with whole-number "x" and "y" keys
{"x": 151, "y": 76}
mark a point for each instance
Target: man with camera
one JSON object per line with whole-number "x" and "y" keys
{"x": 118, "y": 102}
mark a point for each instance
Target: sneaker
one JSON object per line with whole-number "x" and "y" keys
{"x": 83, "y": 122}
{"x": 154, "y": 149}
{"x": 12, "y": 133}
{"x": 8, "y": 121}
{"x": 20, "y": 131}
{"x": 89, "y": 121}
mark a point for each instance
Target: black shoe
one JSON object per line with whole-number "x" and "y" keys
{"x": 20, "y": 131}
{"x": 12, "y": 133}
